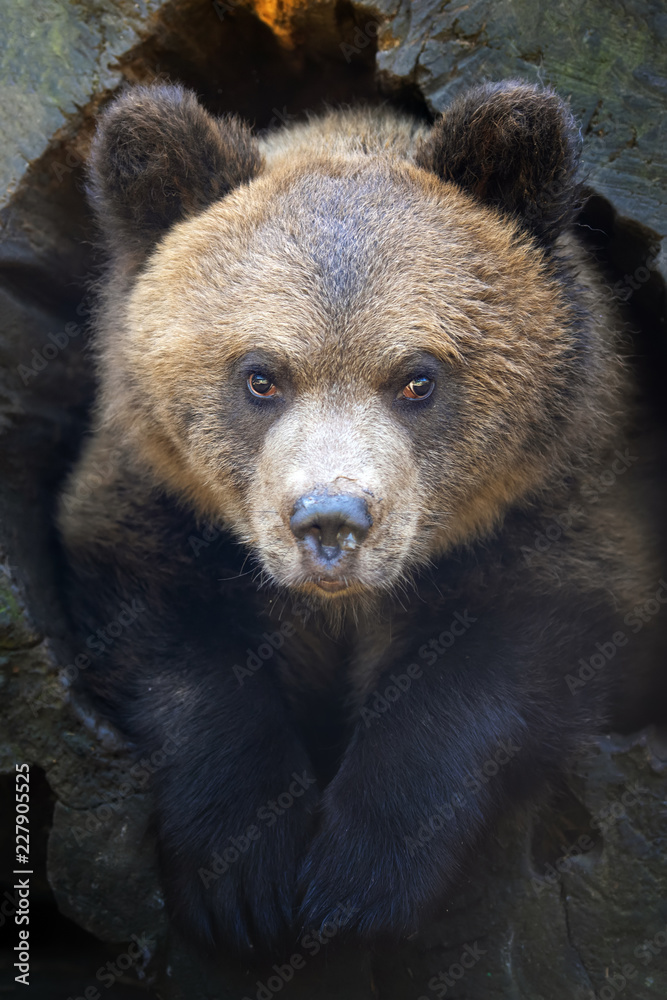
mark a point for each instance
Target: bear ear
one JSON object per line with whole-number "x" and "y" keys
{"x": 514, "y": 146}
{"x": 159, "y": 157}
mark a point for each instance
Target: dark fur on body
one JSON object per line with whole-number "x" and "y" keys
{"x": 529, "y": 409}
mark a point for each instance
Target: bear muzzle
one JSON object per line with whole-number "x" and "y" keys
{"x": 330, "y": 528}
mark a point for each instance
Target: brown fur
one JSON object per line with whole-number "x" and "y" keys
{"x": 343, "y": 259}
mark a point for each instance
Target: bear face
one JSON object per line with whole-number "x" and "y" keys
{"x": 420, "y": 360}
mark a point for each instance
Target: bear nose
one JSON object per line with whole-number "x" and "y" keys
{"x": 333, "y": 522}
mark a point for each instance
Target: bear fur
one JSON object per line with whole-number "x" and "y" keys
{"x": 363, "y": 455}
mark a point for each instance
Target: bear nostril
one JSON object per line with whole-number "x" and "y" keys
{"x": 335, "y": 522}
{"x": 347, "y": 541}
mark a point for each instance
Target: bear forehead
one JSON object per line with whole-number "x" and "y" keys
{"x": 368, "y": 255}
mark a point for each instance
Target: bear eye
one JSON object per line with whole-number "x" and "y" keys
{"x": 418, "y": 388}
{"x": 261, "y": 385}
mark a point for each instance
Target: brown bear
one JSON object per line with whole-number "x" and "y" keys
{"x": 361, "y": 456}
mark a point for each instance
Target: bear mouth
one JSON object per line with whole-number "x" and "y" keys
{"x": 329, "y": 586}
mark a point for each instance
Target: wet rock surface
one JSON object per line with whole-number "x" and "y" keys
{"x": 569, "y": 904}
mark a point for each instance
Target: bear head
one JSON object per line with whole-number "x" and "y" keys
{"x": 355, "y": 344}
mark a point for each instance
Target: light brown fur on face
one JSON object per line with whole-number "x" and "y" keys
{"x": 339, "y": 264}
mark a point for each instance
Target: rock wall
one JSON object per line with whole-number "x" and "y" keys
{"x": 572, "y": 902}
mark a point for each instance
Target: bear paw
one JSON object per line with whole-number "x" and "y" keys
{"x": 237, "y": 892}
{"x": 359, "y": 866}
